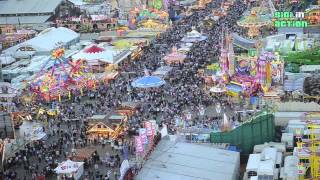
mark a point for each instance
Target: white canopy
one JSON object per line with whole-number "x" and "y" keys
{"x": 93, "y": 53}
{"x": 217, "y": 89}
{"x": 38, "y": 134}
{"x": 68, "y": 167}
{"x": 194, "y": 33}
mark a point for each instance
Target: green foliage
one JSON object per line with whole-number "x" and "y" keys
{"x": 157, "y": 4}
{"x": 309, "y": 57}
{"x": 85, "y": 28}
{"x": 295, "y": 59}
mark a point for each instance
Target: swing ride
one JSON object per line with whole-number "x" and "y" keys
{"x": 62, "y": 77}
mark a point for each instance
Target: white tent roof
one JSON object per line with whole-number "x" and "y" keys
{"x": 68, "y": 166}
{"x": 78, "y": 2}
{"x": 24, "y": 19}
{"x": 93, "y": 57}
{"x": 253, "y": 162}
{"x": 6, "y": 59}
{"x": 194, "y": 33}
{"x": 309, "y": 68}
{"x": 178, "y": 160}
{"x": 28, "y": 6}
{"x": 290, "y": 167}
{"x": 47, "y": 40}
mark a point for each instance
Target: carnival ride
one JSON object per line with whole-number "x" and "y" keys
{"x": 308, "y": 143}
{"x": 266, "y": 7}
{"x": 242, "y": 42}
{"x": 19, "y": 117}
{"x": 151, "y": 25}
{"x": 174, "y": 57}
{"x": 254, "y": 22}
{"x": 248, "y": 75}
{"x": 62, "y": 77}
{"x": 313, "y": 15}
{"x": 136, "y": 15}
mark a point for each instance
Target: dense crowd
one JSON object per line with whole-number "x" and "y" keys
{"x": 183, "y": 90}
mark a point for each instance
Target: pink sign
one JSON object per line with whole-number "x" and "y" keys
{"x": 148, "y": 126}
{"x": 139, "y": 145}
{"x": 143, "y": 135}
{"x": 153, "y": 127}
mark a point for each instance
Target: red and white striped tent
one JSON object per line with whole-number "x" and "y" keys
{"x": 94, "y": 54}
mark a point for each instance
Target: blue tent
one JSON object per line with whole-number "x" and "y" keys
{"x": 148, "y": 82}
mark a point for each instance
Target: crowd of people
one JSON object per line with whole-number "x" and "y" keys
{"x": 183, "y": 90}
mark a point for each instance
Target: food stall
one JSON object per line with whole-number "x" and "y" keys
{"x": 99, "y": 129}
{"x": 128, "y": 108}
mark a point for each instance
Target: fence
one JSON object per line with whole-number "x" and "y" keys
{"x": 257, "y": 130}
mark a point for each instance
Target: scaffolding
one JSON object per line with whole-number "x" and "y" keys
{"x": 308, "y": 152}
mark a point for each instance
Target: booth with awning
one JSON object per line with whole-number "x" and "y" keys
{"x": 100, "y": 129}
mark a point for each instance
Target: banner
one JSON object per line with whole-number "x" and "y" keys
{"x": 153, "y": 128}
{"x": 148, "y": 126}
{"x": 138, "y": 144}
{"x": 143, "y": 135}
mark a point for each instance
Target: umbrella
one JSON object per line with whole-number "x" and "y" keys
{"x": 148, "y": 82}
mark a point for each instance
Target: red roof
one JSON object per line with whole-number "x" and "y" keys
{"x": 94, "y": 49}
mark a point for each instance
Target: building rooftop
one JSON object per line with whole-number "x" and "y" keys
{"x": 47, "y": 40}
{"x": 28, "y": 6}
{"x": 179, "y": 160}
{"x": 6, "y": 126}
{"x": 24, "y": 19}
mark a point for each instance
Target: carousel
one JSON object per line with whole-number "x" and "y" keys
{"x": 193, "y": 36}
{"x": 254, "y": 22}
{"x": 100, "y": 60}
{"x": 174, "y": 57}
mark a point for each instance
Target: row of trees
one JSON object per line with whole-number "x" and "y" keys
{"x": 295, "y": 59}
